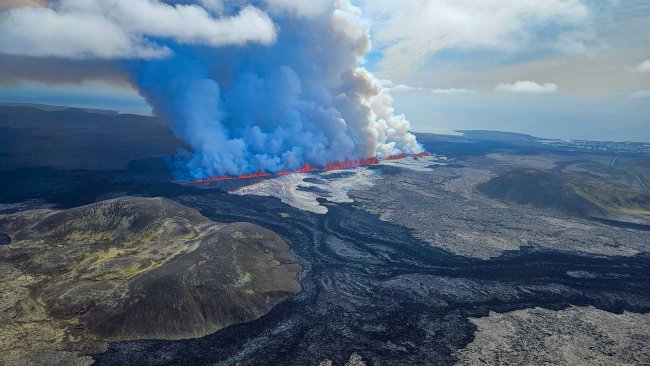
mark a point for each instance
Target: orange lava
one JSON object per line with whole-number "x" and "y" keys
{"x": 350, "y": 164}
{"x": 338, "y": 165}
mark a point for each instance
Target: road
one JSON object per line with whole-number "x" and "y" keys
{"x": 642, "y": 183}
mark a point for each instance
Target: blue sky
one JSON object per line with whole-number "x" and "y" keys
{"x": 553, "y": 68}
{"x": 563, "y": 69}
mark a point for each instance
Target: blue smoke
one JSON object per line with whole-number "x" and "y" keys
{"x": 303, "y": 99}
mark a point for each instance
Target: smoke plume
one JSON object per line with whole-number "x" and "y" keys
{"x": 303, "y": 99}
{"x": 249, "y": 85}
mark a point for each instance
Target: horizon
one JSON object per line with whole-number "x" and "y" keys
{"x": 566, "y": 69}
{"x": 442, "y": 132}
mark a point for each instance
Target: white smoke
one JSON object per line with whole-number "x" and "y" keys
{"x": 247, "y": 84}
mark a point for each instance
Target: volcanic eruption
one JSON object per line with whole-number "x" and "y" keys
{"x": 250, "y": 86}
{"x": 272, "y": 107}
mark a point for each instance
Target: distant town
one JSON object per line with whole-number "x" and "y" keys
{"x": 601, "y": 146}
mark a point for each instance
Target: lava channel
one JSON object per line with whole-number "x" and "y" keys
{"x": 338, "y": 165}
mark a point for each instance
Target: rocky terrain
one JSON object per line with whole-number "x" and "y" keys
{"x": 574, "y": 336}
{"x": 130, "y": 268}
{"x": 586, "y": 186}
{"x": 74, "y": 138}
{"x": 539, "y": 189}
{"x": 303, "y": 191}
{"x": 402, "y": 271}
{"x": 446, "y": 208}
{"x": 371, "y": 288}
{"x": 355, "y": 360}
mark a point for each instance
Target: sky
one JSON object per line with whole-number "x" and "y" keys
{"x": 570, "y": 69}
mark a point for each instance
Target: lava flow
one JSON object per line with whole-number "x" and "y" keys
{"x": 338, "y": 165}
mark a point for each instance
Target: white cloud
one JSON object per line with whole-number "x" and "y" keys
{"x": 405, "y": 88}
{"x": 386, "y": 83}
{"x": 527, "y": 87}
{"x": 81, "y": 29}
{"x": 517, "y": 87}
{"x": 641, "y": 94}
{"x": 643, "y": 67}
{"x": 453, "y": 91}
{"x": 408, "y": 88}
{"x": 413, "y": 30}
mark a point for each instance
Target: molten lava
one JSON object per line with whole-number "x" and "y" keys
{"x": 337, "y": 165}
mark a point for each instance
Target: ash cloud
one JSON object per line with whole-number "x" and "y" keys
{"x": 299, "y": 95}
{"x": 304, "y": 99}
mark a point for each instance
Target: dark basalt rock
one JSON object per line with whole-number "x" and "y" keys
{"x": 539, "y": 189}
{"x": 136, "y": 268}
{"x": 314, "y": 189}
{"x": 5, "y": 239}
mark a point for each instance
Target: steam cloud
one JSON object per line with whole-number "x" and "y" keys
{"x": 272, "y": 102}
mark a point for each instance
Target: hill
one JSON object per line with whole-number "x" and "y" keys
{"x": 132, "y": 268}
{"x": 539, "y": 189}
